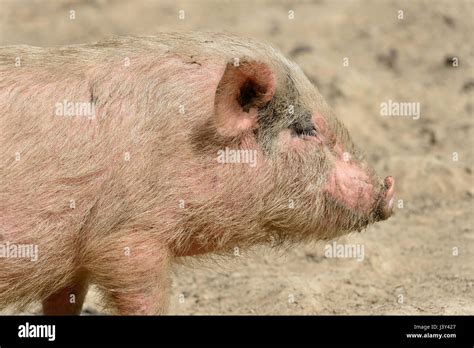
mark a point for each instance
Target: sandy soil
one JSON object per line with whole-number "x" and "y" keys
{"x": 421, "y": 261}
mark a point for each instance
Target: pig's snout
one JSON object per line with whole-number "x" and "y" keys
{"x": 387, "y": 199}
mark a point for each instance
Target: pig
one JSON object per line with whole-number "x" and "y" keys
{"x": 121, "y": 157}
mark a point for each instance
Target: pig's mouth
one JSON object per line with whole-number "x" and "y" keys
{"x": 383, "y": 206}
{"x": 344, "y": 219}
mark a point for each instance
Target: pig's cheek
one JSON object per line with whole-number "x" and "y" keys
{"x": 348, "y": 184}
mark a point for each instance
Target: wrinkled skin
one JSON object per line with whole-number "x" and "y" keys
{"x": 143, "y": 172}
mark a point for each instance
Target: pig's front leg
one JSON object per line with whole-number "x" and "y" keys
{"x": 133, "y": 275}
{"x": 69, "y": 300}
{"x": 152, "y": 301}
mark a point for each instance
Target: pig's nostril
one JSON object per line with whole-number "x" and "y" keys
{"x": 387, "y": 201}
{"x": 389, "y": 182}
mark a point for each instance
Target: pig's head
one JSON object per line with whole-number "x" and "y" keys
{"x": 280, "y": 166}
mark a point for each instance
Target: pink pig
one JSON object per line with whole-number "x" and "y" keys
{"x": 119, "y": 157}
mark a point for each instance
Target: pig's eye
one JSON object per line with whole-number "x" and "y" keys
{"x": 298, "y": 129}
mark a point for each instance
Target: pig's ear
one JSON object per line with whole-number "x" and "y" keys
{"x": 241, "y": 91}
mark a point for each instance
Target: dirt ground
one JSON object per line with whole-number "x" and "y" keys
{"x": 421, "y": 261}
